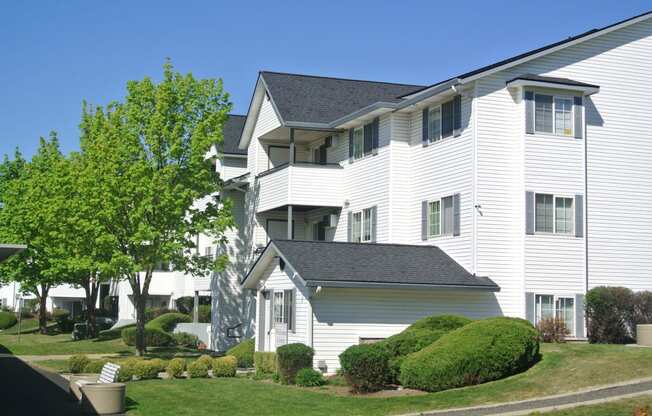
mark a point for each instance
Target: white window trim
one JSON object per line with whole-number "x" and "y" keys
{"x": 537, "y": 313}
{"x": 441, "y": 218}
{"x": 554, "y": 115}
{"x": 554, "y": 214}
{"x": 363, "y": 216}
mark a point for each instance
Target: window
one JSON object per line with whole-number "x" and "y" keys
{"x": 434, "y": 124}
{"x": 362, "y": 228}
{"x": 557, "y": 218}
{"x": 549, "y": 306}
{"x": 208, "y": 251}
{"x": 279, "y": 305}
{"x": 440, "y": 217}
{"x": 553, "y": 114}
{"x": 441, "y": 121}
{"x": 447, "y": 118}
{"x": 564, "y": 215}
{"x": 284, "y": 304}
{"x": 358, "y": 143}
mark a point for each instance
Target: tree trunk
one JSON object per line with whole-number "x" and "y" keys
{"x": 42, "y": 312}
{"x": 91, "y": 288}
{"x": 141, "y": 347}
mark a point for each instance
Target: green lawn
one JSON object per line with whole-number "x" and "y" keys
{"x": 38, "y": 344}
{"x": 624, "y": 407}
{"x": 26, "y": 326}
{"x": 564, "y": 368}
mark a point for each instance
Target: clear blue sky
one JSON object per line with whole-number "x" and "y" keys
{"x": 54, "y": 54}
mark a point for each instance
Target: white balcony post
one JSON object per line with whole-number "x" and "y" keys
{"x": 289, "y": 222}
{"x": 291, "y": 147}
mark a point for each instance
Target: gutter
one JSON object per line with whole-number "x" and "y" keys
{"x": 377, "y": 285}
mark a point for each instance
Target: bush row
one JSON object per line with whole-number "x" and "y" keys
{"x": 613, "y": 313}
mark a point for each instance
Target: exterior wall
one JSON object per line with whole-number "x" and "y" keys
{"x": 232, "y": 167}
{"x": 343, "y": 316}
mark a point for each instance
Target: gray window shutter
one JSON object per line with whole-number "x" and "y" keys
{"x": 424, "y": 127}
{"x": 457, "y": 115}
{"x": 374, "y": 216}
{"x": 529, "y": 212}
{"x": 368, "y": 138}
{"x": 350, "y": 227}
{"x": 528, "y": 96}
{"x": 375, "y": 127}
{"x": 529, "y": 307}
{"x": 579, "y": 215}
{"x": 424, "y": 220}
{"x": 447, "y": 118}
{"x": 579, "y": 315}
{"x": 456, "y": 214}
{"x": 350, "y": 145}
{"x": 579, "y": 127}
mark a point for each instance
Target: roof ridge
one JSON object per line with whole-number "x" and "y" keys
{"x": 340, "y": 78}
{"x": 356, "y": 243}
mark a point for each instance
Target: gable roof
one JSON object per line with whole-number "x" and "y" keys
{"x": 340, "y": 264}
{"x": 231, "y": 131}
{"x": 553, "y": 80}
{"x": 315, "y": 99}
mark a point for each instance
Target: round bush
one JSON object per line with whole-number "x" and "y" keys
{"x": 365, "y": 367}
{"x": 95, "y": 366}
{"x": 308, "y": 377}
{"x": 152, "y": 313}
{"x": 206, "y": 359}
{"x": 153, "y": 337}
{"x": 265, "y": 363}
{"x": 610, "y": 312}
{"x": 176, "y": 367}
{"x": 204, "y": 314}
{"x": 147, "y": 369}
{"x": 225, "y": 366}
{"x": 127, "y": 369}
{"x": 159, "y": 363}
{"x": 290, "y": 359}
{"x": 168, "y": 321}
{"x": 184, "y": 339}
{"x": 77, "y": 363}
{"x": 481, "y": 351}
{"x": 244, "y": 352}
{"x": 7, "y": 319}
{"x": 197, "y": 369}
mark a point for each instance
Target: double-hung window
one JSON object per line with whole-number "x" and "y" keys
{"x": 441, "y": 121}
{"x": 358, "y": 143}
{"x": 434, "y": 124}
{"x": 554, "y": 214}
{"x": 550, "y": 306}
{"x": 440, "y": 217}
{"x": 361, "y": 228}
{"x": 553, "y": 114}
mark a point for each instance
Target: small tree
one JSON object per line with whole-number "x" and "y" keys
{"x": 145, "y": 170}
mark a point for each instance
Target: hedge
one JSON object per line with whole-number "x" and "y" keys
{"x": 153, "y": 337}
{"x": 197, "y": 369}
{"x": 152, "y": 313}
{"x": 365, "y": 367}
{"x": 206, "y": 359}
{"x": 168, "y": 321}
{"x": 612, "y": 314}
{"x": 77, "y": 363}
{"x": 290, "y": 359}
{"x": 481, "y": 351}
{"x": 114, "y": 333}
{"x": 127, "y": 369}
{"x": 244, "y": 352}
{"x": 225, "y": 366}
{"x": 7, "y": 319}
{"x": 185, "y": 339}
{"x": 176, "y": 367}
{"x": 147, "y": 369}
{"x": 265, "y": 363}
{"x": 95, "y": 366}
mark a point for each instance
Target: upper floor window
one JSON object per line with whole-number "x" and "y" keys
{"x": 554, "y": 214}
{"x": 208, "y": 251}
{"x": 442, "y": 121}
{"x": 358, "y": 143}
{"x": 553, "y": 114}
{"x": 363, "y": 225}
{"x": 363, "y": 140}
{"x": 441, "y": 217}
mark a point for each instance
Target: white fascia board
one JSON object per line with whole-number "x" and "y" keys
{"x": 585, "y": 90}
{"x": 377, "y": 285}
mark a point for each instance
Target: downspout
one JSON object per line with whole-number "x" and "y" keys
{"x": 586, "y": 205}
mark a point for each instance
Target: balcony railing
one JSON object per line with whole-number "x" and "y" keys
{"x": 300, "y": 184}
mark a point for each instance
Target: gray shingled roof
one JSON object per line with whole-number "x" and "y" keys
{"x": 322, "y": 263}
{"x": 555, "y": 80}
{"x": 314, "y": 99}
{"x": 232, "y": 130}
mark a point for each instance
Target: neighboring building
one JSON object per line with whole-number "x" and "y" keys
{"x": 509, "y": 190}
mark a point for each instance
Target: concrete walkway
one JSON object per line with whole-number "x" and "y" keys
{"x": 591, "y": 396}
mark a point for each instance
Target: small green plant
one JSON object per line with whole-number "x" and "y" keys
{"x": 197, "y": 369}
{"x": 184, "y": 339}
{"x": 308, "y": 377}
{"x": 206, "y": 359}
{"x": 244, "y": 352}
{"x": 95, "y": 366}
{"x": 127, "y": 369}
{"x": 290, "y": 359}
{"x": 365, "y": 367}
{"x": 77, "y": 363}
{"x": 154, "y": 337}
{"x": 146, "y": 370}
{"x": 225, "y": 366}
{"x": 176, "y": 367}
{"x": 265, "y": 363}
{"x": 7, "y": 319}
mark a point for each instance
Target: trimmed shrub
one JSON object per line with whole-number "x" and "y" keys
{"x": 225, "y": 366}
{"x": 7, "y": 320}
{"x": 552, "y": 330}
{"x": 77, "y": 363}
{"x": 244, "y": 352}
{"x": 153, "y": 337}
{"x": 152, "y": 313}
{"x": 481, "y": 351}
{"x": 63, "y": 320}
{"x": 176, "y": 367}
{"x": 146, "y": 369}
{"x": 204, "y": 314}
{"x": 206, "y": 359}
{"x": 308, "y": 377}
{"x": 440, "y": 323}
{"x": 197, "y": 369}
{"x": 610, "y": 314}
{"x": 95, "y": 366}
{"x": 168, "y": 321}
{"x": 159, "y": 363}
{"x": 290, "y": 359}
{"x": 265, "y": 363}
{"x": 184, "y": 339}
{"x": 115, "y": 333}
{"x": 127, "y": 369}
{"x": 365, "y": 367}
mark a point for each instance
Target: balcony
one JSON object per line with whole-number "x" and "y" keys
{"x": 301, "y": 185}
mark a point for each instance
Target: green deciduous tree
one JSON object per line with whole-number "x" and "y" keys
{"x": 146, "y": 175}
